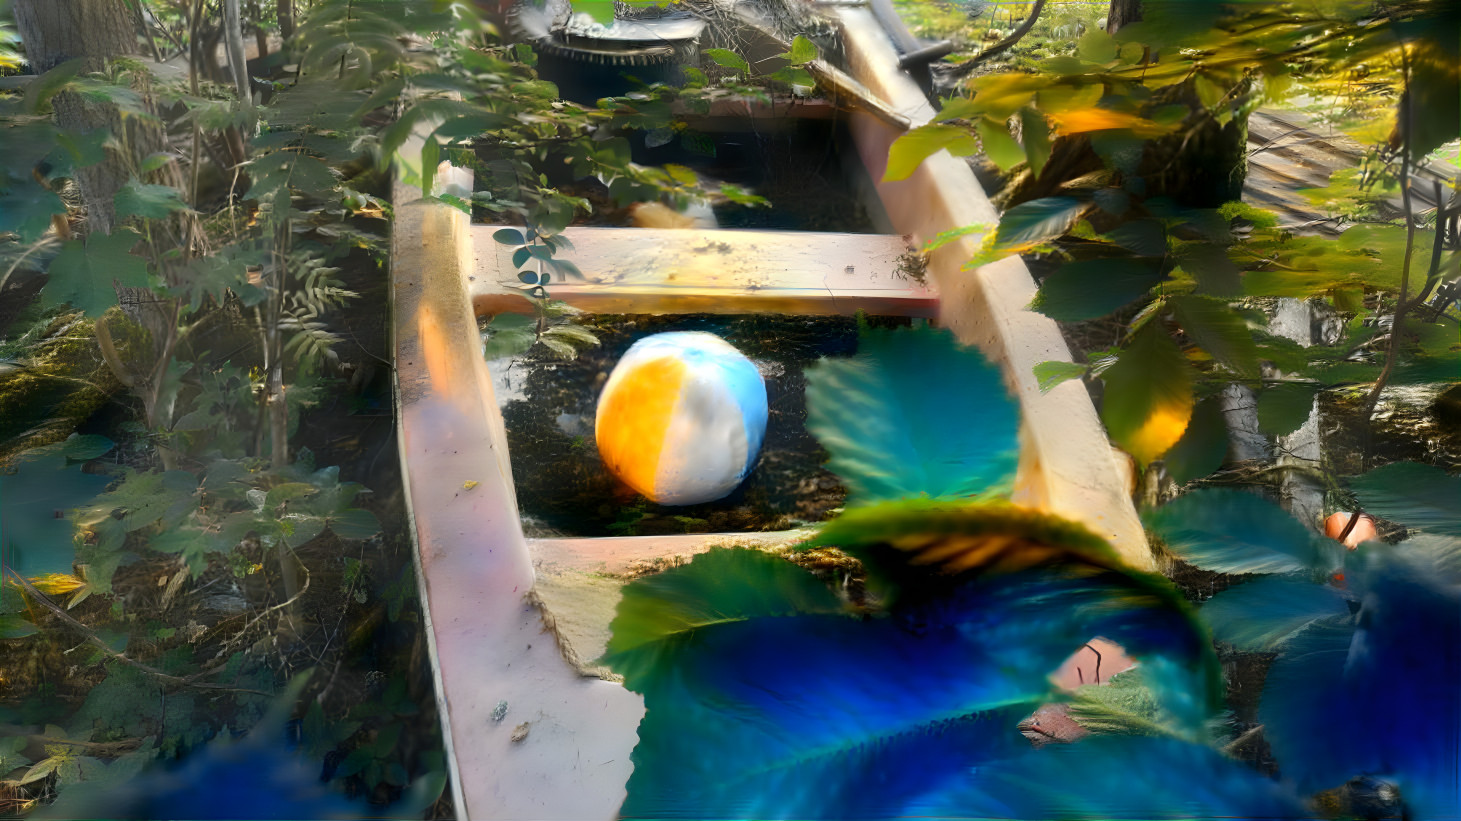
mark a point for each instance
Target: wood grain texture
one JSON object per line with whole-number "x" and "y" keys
{"x": 488, "y": 638}
{"x": 1065, "y": 462}
{"x": 663, "y": 270}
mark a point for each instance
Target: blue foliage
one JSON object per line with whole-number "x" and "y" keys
{"x": 1232, "y": 531}
{"x": 255, "y": 777}
{"x": 1377, "y": 693}
{"x": 757, "y": 714}
{"x": 914, "y": 414}
{"x": 1262, "y": 614}
{"x": 1119, "y": 777}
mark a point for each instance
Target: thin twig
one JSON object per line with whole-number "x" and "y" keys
{"x": 1246, "y": 736}
{"x": 1003, "y": 45}
{"x": 266, "y": 611}
{"x": 1407, "y": 125}
{"x": 95, "y": 640}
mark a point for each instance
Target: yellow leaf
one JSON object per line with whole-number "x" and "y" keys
{"x": 469, "y": 484}
{"x": 1082, "y": 120}
{"x": 58, "y": 584}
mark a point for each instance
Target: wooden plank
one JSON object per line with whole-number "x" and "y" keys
{"x": 665, "y": 270}
{"x": 1066, "y": 461}
{"x": 497, "y": 667}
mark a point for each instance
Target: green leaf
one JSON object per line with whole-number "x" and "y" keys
{"x": 1123, "y": 705}
{"x": 912, "y": 148}
{"x": 1031, "y": 223}
{"x": 892, "y": 437}
{"x": 1203, "y": 446}
{"x": 27, "y": 209}
{"x": 279, "y": 494}
{"x": 1143, "y": 237}
{"x": 84, "y": 447}
{"x": 802, "y": 51}
{"x": 1259, "y": 616}
{"x": 83, "y": 274}
{"x": 1096, "y": 46}
{"x": 1413, "y": 494}
{"x": 1035, "y": 134}
{"x": 1091, "y": 288}
{"x": 508, "y": 236}
{"x": 1232, "y": 531}
{"x": 1283, "y": 408}
{"x": 1054, "y": 372}
{"x": 36, "y": 500}
{"x": 661, "y": 612}
{"x": 355, "y": 524}
{"x": 946, "y": 237}
{"x": 155, "y": 161}
{"x": 1148, "y": 396}
{"x": 149, "y": 201}
{"x": 1219, "y": 330}
{"x": 15, "y": 626}
{"x": 728, "y": 59}
{"x": 223, "y": 272}
{"x": 43, "y": 88}
{"x": 999, "y": 146}
{"x": 509, "y": 335}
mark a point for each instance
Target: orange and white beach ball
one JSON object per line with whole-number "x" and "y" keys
{"x": 682, "y": 417}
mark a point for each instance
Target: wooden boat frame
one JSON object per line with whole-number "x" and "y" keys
{"x": 529, "y": 733}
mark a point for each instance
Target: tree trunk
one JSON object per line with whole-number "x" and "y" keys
{"x": 1121, "y": 13}
{"x": 285, "y": 12}
{"x": 261, "y": 35}
{"x": 233, "y": 41}
{"x": 95, "y": 31}
{"x": 55, "y": 31}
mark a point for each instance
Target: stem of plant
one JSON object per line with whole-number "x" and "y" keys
{"x": 1396, "y": 326}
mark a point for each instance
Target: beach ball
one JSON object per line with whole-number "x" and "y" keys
{"x": 681, "y": 417}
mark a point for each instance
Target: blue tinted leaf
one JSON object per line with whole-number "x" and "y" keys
{"x": 1262, "y": 614}
{"x": 508, "y": 236}
{"x": 1231, "y": 531}
{"x": 1375, "y": 693}
{"x": 1415, "y": 495}
{"x": 1120, "y": 777}
{"x": 893, "y": 434}
{"x": 36, "y": 501}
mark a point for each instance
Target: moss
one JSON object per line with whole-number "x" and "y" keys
{"x": 62, "y": 382}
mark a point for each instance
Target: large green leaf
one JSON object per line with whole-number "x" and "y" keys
{"x": 85, "y": 274}
{"x": 36, "y": 500}
{"x": 1203, "y": 445}
{"x": 1031, "y": 223}
{"x": 1282, "y": 409}
{"x": 910, "y": 150}
{"x": 756, "y": 710}
{"x": 1035, "y": 134}
{"x": 1144, "y": 237}
{"x": 1091, "y": 288}
{"x": 1219, "y": 330}
{"x": 146, "y": 200}
{"x": 1413, "y": 494}
{"x": 27, "y": 209}
{"x": 1262, "y": 614}
{"x": 913, "y": 414}
{"x": 999, "y": 146}
{"x": 668, "y": 610}
{"x": 1148, "y": 397}
{"x": 220, "y": 273}
{"x": 1232, "y": 531}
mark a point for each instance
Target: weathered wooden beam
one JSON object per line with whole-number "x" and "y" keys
{"x": 663, "y": 270}
{"x": 527, "y": 736}
{"x": 1066, "y": 461}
